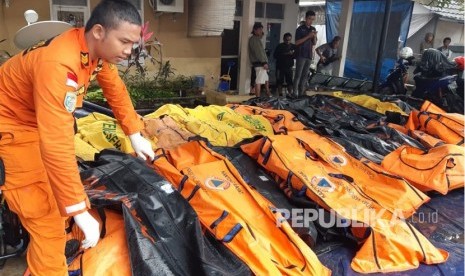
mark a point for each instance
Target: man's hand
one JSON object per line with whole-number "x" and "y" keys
{"x": 312, "y": 34}
{"x": 141, "y": 146}
{"x": 90, "y": 227}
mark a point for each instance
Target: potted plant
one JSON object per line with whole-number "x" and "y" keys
{"x": 150, "y": 89}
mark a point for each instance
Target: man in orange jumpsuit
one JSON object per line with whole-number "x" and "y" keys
{"x": 39, "y": 91}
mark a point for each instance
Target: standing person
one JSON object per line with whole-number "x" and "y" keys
{"x": 39, "y": 91}
{"x": 305, "y": 40}
{"x": 445, "y": 48}
{"x": 427, "y": 42}
{"x": 328, "y": 55}
{"x": 258, "y": 59}
{"x": 284, "y": 55}
{"x": 72, "y": 20}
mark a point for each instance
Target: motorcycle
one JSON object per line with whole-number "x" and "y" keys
{"x": 398, "y": 77}
{"x": 440, "y": 81}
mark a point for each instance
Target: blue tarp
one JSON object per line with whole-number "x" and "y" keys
{"x": 365, "y": 34}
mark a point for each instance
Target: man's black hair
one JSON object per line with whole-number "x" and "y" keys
{"x": 287, "y": 35}
{"x": 309, "y": 13}
{"x": 335, "y": 39}
{"x": 110, "y": 13}
{"x": 446, "y": 39}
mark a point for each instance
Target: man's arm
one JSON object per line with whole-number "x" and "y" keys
{"x": 277, "y": 52}
{"x": 320, "y": 50}
{"x": 300, "y": 37}
{"x": 53, "y": 102}
{"x": 450, "y": 54}
{"x": 119, "y": 100}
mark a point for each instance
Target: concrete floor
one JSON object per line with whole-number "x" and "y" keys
{"x": 14, "y": 266}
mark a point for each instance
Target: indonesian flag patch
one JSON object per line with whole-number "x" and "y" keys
{"x": 71, "y": 80}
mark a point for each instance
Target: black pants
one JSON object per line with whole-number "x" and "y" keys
{"x": 253, "y": 76}
{"x": 284, "y": 74}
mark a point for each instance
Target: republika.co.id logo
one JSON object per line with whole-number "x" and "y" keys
{"x": 216, "y": 183}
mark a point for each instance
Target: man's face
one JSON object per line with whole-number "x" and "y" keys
{"x": 116, "y": 44}
{"x": 259, "y": 31}
{"x": 446, "y": 43}
{"x": 288, "y": 39}
{"x": 309, "y": 20}
{"x": 336, "y": 44}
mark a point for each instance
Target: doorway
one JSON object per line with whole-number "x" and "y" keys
{"x": 230, "y": 53}
{"x": 273, "y": 37}
{"x": 271, "y": 15}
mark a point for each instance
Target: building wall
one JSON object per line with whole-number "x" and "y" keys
{"x": 290, "y": 17}
{"x": 12, "y": 19}
{"x": 188, "y": 56}
{"x": 441, "y": 29}
{"x": 450, "y": 29}
{"x": 417, "y": 38}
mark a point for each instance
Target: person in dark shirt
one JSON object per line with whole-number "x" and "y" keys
{"x": 284, "y": 55}
{"x": 305, "y": 40}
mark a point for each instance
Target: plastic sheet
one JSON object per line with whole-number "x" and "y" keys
{"x": 364, "y": 39}
{"x": 351, "y": 125}
{"x": 164, "y": 235}
{"x": 441, "y": 220}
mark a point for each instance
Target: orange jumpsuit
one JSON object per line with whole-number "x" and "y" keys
{"x": 38, "y": 89}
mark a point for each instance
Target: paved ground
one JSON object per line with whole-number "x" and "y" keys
{"x": 14, "y": 266}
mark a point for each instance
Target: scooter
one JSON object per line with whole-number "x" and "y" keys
{"x": 440, "y": 84}
{"x": 398, "y": 77}
{"x": 440, "y": 91}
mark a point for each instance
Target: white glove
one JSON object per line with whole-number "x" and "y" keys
{"x": 141, "y": 146}
{"x": 90, "y": 228}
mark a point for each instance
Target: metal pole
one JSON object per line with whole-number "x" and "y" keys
{"x": 382, "y": 43}
{"x": 344, "y": 31}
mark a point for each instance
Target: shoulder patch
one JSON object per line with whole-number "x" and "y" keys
{"x": 70, "y": 101}
{"x": 85, "y": 59}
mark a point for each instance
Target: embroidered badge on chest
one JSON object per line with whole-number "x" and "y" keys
{"x": 70, "y": 101}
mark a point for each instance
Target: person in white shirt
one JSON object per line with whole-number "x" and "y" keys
{"x": 445, "y": 48}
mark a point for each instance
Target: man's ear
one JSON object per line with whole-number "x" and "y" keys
{"x": 98, "y": 32}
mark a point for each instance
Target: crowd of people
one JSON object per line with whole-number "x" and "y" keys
{"x": 295, "y": 62}
{"x": 302, "y": 54}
